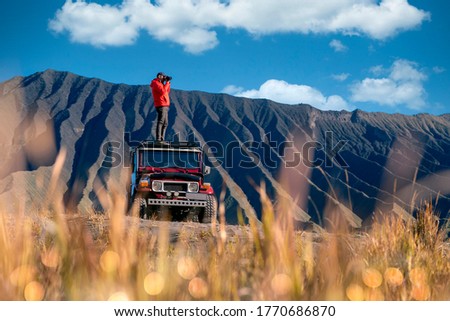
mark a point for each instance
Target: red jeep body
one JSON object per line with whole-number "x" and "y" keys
{"x": 167, "y": 181}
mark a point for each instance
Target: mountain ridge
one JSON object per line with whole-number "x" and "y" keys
{"x": 86, "y": 114}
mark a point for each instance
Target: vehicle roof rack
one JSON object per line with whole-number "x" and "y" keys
{"x": 168, "y": 144}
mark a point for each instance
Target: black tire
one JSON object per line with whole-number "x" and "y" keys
{"x": 130, "y": 200}
{"x": 140, "y": 206}
{"x": 210, "y": 210}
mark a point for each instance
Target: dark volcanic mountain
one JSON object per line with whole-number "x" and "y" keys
{"x": 352, "y": 163}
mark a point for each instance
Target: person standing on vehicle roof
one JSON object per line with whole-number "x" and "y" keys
{"x": 160, "y": 91}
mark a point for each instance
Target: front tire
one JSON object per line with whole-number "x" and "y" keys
{"x": 140, "y": 207}
{"x": 210, "y": 210}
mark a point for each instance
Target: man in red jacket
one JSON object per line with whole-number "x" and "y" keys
{"x": 160, "y": 91}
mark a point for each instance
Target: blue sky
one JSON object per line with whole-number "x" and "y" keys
{"x": 391, "y": 55}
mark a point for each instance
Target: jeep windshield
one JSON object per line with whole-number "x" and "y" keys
{"x": 169, "y": 159}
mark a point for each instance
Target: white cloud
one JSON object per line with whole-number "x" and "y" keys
{"x": 283, "y": 92}
{"x": 95, "y": 24}
{"x": 378, "y": 70}
{"x": 340, "y": 77}
{"x": 232, "y": 90}
{"x": 438, "y": 69}
{"x": 403, "y": 85}
{"x": 191, "y": 23}
{"x": 378, "y": 21}
{"x": 338, "y": 46}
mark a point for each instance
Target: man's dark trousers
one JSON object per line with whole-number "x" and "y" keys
{"x": 162, "y": 122}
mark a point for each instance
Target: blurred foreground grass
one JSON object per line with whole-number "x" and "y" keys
{"x": 47, "y": 255}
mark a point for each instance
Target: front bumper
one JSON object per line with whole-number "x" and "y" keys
{"x": 167, "y": 202}
{"x": 192, "y": 200}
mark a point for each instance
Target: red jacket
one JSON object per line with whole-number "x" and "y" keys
{"x": 160, "y": 93}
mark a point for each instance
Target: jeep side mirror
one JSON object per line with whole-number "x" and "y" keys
{"x": 206, "y": 170}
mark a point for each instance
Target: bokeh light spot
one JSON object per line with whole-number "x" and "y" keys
{"x": 198, "y": 288}
{"x": 187, "y": 268}
{"x": 34, "y": 291}
{"x": 355, "y": 292}
{"x": 154, "y": 283}
{"x": 393, "y": 276}
{"x": 281, "y": 284}
{"x": 372, "y": 278}
{"x": 109, "y": 261}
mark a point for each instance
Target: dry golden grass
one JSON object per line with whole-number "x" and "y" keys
{"x": 47, "y": 255}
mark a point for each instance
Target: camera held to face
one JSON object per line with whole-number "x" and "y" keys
{"x": 167, "y": 78}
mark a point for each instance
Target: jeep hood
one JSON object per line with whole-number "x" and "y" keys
{"x": 175, "y": 176}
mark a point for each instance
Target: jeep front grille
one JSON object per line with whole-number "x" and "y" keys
{"x": 175, "y": 187}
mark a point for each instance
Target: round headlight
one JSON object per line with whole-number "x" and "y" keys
{"x": 157, "y": 186}
{"x": 193, "y": 187}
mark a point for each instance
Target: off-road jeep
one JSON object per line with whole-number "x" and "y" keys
{"x": 167, "y": 182}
